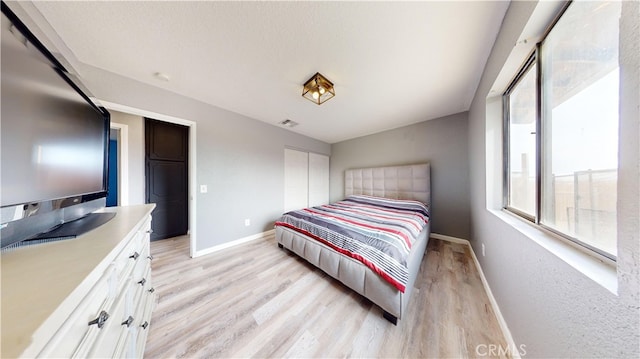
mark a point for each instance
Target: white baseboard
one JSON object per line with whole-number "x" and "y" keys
{"x": 233, "y": 243}
{"x": 450, "y": 239}
{"x": 503, "y": 324}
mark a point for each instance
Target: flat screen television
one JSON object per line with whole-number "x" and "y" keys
{"x": 54, "y": 142}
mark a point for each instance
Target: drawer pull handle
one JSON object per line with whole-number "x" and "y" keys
{"x": 145, "y": 325}
{"x": 150, "y": 257}
{"x": 152, "y": 290}
{"x": 142, "y": 282}
{"x": 150, "y": 231}
{"x": 100, "y": 320}
{"x": 135, "y": 255}
{"x": 128, "y": 321}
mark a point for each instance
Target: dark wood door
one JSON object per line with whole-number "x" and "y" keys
{"x": 167, "y": 177}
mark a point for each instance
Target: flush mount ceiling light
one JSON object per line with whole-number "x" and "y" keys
{"x": 318, "y": 89}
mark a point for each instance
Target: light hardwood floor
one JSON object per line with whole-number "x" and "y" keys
{"x": 256, "y": 300}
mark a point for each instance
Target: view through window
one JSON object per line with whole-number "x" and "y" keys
{"x": 522, "y": 143}
{"x": 578, "y": 155}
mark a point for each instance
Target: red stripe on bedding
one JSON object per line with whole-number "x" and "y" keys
{"x": 355, "y": 256}
{"x": 405, "y": 220}
{"x": 406, "y": 239}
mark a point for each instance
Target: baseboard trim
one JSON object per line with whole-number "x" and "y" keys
{"x": 450, "y": 239}
{"x": 503, "y": 324}
{"x": 233, "y": 243}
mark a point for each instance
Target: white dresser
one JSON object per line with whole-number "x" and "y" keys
{"x": 91, "y": 296}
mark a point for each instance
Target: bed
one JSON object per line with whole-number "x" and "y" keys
{"x": 317, "y": 234}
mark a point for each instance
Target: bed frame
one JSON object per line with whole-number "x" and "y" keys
{"x": 398, "y": 182}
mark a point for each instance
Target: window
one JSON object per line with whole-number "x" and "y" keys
{"x": 522, "y": 122}
{"x": 561, "y": 151}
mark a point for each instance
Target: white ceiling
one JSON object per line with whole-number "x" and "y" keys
{"x": 392, "y": 63}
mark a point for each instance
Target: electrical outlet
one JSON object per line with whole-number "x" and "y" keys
{"x": 483, "y": 249}
{"x": 203, "y": 188}
{"x": 247, "y": 222}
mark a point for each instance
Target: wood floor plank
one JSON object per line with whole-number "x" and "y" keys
{"x": 257, "y": 300}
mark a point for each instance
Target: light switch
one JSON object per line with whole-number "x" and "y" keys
{"x": 203, "y": 188}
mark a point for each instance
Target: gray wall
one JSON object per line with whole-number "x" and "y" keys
{"x": 442, "y": 142}
{"x": 549, "y": 306}
{"x": 135, "y": 141}
{"x": 240, "y": 159}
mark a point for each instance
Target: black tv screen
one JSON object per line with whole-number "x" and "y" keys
{"x": 53, "y": 137}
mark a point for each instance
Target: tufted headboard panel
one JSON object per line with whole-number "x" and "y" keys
{"x": 398, "y": 182}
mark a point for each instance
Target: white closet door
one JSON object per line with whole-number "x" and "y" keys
{"x": 296, "y": 179}
{"x": 318, "y": 179}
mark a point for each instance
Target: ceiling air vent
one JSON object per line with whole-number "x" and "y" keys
{"x": 288, "y": 123}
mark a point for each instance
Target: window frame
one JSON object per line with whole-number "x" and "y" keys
{"x": 534, "y": 59}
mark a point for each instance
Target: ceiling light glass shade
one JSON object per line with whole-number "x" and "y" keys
{"x": 318, "y": 89}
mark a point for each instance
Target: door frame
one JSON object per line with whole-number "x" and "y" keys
{"x": 192, "y": 183}
{"x": 123, "y": 162}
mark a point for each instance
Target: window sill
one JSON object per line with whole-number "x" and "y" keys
{"x": 601, "y": 271}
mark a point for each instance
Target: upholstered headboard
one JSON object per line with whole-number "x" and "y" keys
{"x": 399, "y": 182}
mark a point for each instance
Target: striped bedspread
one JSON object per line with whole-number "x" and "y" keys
{"x": 379, "y": 232}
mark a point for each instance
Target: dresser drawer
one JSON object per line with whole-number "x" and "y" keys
{"x": 113, "y": 334}
{"x": 142, "y": 263}
{"x": 139, "y": 290}
{"x": 147, "y": 305}
{"x": 140, "y": 275}
{"x": 76, "y": 331}
{"x": 132, "y": 254}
